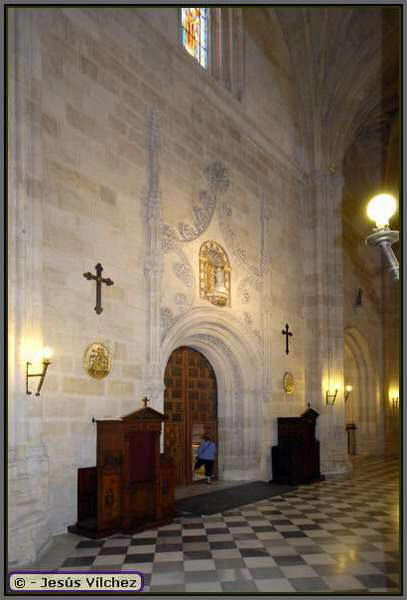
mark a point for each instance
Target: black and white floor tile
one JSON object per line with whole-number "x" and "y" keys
{"x": 337, "y": 535}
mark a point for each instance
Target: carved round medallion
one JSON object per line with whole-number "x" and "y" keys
{"x": 97, "y": 361}
{"x": 288, "y": 383}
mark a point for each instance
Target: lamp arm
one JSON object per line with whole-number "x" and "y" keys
{"x": 391, "y": 257}
{"x": 27, "y": 375}
{"x": 44, "y": 370}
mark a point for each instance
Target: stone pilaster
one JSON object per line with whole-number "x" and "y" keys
{"x": 28, "y": 461}
{"x": 324, "y": 315}
{"x": 153, "y": 266}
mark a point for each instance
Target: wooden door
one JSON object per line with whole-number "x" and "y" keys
{"x": 190, "y": 408}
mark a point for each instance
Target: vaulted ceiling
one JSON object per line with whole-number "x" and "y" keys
{"x": 346, "y": 65}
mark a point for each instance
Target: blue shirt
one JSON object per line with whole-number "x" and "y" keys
{"x": 207, "y": 450}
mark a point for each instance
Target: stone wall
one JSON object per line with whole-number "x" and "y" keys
{"x": 125, "y": 151}
{"x": 131, "y": 155}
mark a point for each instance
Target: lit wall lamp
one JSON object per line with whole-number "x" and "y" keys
{"x": 348, "y": 390}
{"x": 330, "y": 397}
{"x": 380, "y": 209}
{"x": 395, "y": 402}
{"x": 46, "y": 355}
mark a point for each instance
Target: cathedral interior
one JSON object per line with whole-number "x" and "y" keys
{"x": 187, "y": 224}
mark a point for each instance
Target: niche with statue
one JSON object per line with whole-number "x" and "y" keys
{"x": 214, "y": 274}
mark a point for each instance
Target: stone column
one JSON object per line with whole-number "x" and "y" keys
{"x": 28, "y": 461}
{"x": 268, "y": 424}
{"x": 153, "y": 267}
{"x": 324, "y": 315}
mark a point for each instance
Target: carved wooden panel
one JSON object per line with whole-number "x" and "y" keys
{"x": 108, "y": 498}
{"x": 174, "y": 439}
{"x": 190, "y": 408}
{"x": 166, "y": 488}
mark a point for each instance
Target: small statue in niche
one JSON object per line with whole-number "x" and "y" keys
{"x": 220, "y": 280}
{"x": 214, "y": 274}
{"x": 210, "y": 277}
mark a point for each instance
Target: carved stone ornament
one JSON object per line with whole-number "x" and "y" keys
{"x": 97, "y": 361}
{"x": 288, "y": 383}
{"x": 214, "y": 274}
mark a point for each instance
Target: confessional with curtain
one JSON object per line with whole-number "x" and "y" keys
{"x": 131, "y": 488}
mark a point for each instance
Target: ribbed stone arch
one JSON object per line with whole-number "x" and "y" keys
{"x": 369, "y": 400}
{"x": 237, "y": 363}
{"x": 340, "y": 57}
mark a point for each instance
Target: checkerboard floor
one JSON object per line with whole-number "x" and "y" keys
{"x": 331, "y": 536}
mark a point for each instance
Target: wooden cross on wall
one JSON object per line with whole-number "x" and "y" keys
{"x": 286, "y": 333}
{"x": 99, "y": 280}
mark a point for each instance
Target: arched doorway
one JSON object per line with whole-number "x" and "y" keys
{"x": 244, "y": 427}
{"x": 364, "y": 406}
{"x": 190, "y": 408}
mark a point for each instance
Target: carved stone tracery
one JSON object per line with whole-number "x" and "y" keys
{"x": 256, "y": 272}
{"x": 204, "y": 207}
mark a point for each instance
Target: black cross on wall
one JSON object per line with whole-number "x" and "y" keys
{"x": 286, "y": 333}
{"x": 99, "y": 280}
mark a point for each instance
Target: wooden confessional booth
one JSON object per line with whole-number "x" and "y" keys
{"x": 132, "y": 486}
{"x": 296, "y": 458}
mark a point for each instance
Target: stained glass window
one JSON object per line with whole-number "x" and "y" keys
{"x": 195, "y": 33}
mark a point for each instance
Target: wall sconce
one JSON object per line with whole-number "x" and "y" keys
{"x": 380, "y": 209}
{"x": 348, "y": 390}
{"x": 46, "y": 355}
{"x": 395, "y": 403}
{"x": 330, "y": 397}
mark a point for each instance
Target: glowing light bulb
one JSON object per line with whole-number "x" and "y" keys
{"x": 47, "y": 353}
{"x": 381, "y": 208}
{"x": 348, "y": 388}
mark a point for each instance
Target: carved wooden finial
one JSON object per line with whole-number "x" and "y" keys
{"x": 145, "y": 400}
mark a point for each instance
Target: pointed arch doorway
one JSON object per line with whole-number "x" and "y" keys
{"x": 364, "y": 407}
{"x": 190, "y": 409}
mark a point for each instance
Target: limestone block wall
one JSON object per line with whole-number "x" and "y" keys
{"x": 268, "y": 86}
{"x": 140, "y": 157}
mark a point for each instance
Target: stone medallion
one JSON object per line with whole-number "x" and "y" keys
{"x": 288, "y": 383}
{"x": 97, "y": 360}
